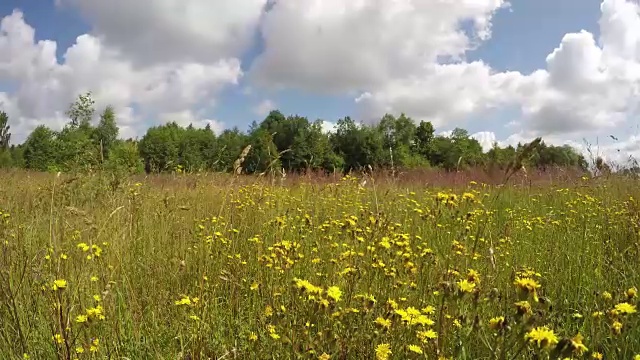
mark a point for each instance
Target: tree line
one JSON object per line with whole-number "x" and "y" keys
{"x": 290, "y": 143}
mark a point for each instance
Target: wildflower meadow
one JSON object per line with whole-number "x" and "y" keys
{"x": 225, "y": 267}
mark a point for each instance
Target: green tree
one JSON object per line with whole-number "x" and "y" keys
{"x": 358, "y": 145}
{"x": 124, "y": 157}
{"x": 5, "y": 159}
{"x": 106, "y": 133}
{"x": 264, "y": 153}
{"x": 499, "y": 158}
{"x": 40, "y": 150}
{"x": 160, "y": 147}
{"x": 81, "y": 111}
{"x": 399, "y": 135}
{"x": 423, "y": 139}
{"x": 5, "y": 156}
{"x": 17, "y": 155}
{"x": 5, "y": 135}
{"x": 226, "y": 149}
{"x": 75, "y": 150}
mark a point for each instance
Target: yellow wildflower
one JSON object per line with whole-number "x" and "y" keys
{"x": 523, "y": 307}
{"x": 59, "y": 284}
{"x": 577, "y": 346}
{"x": 383, "y": 351}
{"x": 334, "y": 293}
{"x": 616, "y": 327}
{"x": 528, "y": 285}
{"x": 624, "y": 309}
{"x": 465, "y": 286}
{"x": 497, "y": 323}
{"x": 414, "y": 349}
{"x": 427, "y": 335}
{"x": 383, "y": 323}
{"x": 542, "y": 336}
{"x": 185, "y": 300}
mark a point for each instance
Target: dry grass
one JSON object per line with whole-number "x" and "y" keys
{"x": 434, "y": 243}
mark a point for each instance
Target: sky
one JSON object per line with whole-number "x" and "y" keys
{"x": 507, "y": 71}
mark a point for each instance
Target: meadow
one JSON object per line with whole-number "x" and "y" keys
{"x": 223, "y": 267}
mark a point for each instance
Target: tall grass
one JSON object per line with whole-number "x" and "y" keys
{"x": 209, "y": 266}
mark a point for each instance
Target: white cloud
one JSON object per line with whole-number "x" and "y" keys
{"x": 169, "y": 59}
{"x": 485, "y": 138}
{"x": 336, "y": 45}
{"x": 390, "y": 57}
{"x": 328, "y": 126}
{"x": 442, "y": 94}
{"x": 46, "y": 87}
{"x": 162, "y": 31}
{"x": 264, "y": 107}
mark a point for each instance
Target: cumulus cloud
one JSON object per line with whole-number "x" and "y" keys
{"x": 173, "y": 30}
{"x": 442, "y": 94}
{"x": 391, "y": 54}
{"x": 171, "y": 58}
{"x": 485, "y": 138}
{"x": 342, "y": 46}
{"x": 45, "y": 87}
{"x": 264, "y": 107}
{"x": 585, "y": 87}
{"x": 328, "y": 126}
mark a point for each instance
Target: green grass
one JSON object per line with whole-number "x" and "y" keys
{"x": 240, "y": 247}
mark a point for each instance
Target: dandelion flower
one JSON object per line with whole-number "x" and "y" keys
{"x": 59, "y": 284}
{"x": 523, "y": 307}
{"x": 185, "y": 300}
{"x": 429, "y": 310}
{"x": 616, "y": 327}
{"x": 414, "y": 349}
{"x": 473, "y": 276}
{"x": 466, "y": 286}
{"x": 624, "y": 309}
{"x": 542, "y": 336}
{"x": 577, "y": 346}
{"x": 497, "y": 323}
{"x": 334, "y": 293}
{"x": 427, "y": 335}
{"x": 383, "y": 351}
{"x": 528, "y": 285}
{"x": 383, "y": 323}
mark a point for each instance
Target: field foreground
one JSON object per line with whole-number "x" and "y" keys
{"x": 212, "y": 269}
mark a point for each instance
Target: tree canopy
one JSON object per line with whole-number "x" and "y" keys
{"x": 279, "y": 142}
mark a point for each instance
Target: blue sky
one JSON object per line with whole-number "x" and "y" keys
{"x": 522, "y": 36}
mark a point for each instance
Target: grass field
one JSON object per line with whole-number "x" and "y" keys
{"x": 212, "y": 267}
